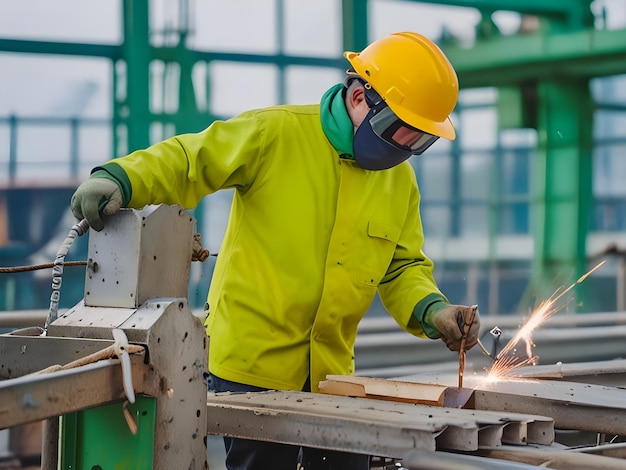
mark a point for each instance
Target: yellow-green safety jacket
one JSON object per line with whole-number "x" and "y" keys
{"x": 311, "y": 237}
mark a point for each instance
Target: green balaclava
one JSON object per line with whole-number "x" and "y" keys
{"x": 336, "y": 123}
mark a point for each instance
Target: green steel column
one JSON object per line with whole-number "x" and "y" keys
{"x": 280, "y": 37}
{"x": 187, "y": 119}
{"x": 12, "y": 147}
{"x": 187, "y": 115}
{"x": 562, "y": 186}
{"x": 355, "y": 24}
{"x": 136, "y": 53}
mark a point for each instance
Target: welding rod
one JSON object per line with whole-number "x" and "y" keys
{"x": 464, "y": 332}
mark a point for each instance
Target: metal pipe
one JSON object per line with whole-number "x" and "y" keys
{"x": 20, "y": 319}
{"x": 621, "y": 284}
{"x": 50, "y": 444}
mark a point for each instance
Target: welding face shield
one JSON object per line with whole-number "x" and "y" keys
{"x": 383, "y": 140}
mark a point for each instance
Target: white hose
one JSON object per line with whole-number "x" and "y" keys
{"x": 57, "y": 271}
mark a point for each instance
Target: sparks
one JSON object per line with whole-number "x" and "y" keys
{"x": 508, "y": 360}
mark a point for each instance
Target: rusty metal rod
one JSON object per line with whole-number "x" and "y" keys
{"x": 23, "y": 269}
{"x": 465, "y": 332}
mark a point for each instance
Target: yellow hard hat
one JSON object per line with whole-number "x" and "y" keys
{"x": 415, "y": 79}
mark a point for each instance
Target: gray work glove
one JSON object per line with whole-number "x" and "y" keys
{"x": 450, "y": 322}
{"x": 95, "y": 195}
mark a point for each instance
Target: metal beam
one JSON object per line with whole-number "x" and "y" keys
{"x": 363, "y": 425}
{"x": 607, "y": 373}
{"x": 23, "y": 318}
{"x": 170, "y": 54}
{"x": 165, "y": 53}
{"x": 532, "y": 7}
{"x": 21, "y": 355}
{"x": 561, "y": 186}
{"x": 572, "y": 405}
{"x": 135, "y": 105}
{"x": 418, "y": 460}
{"x": 509, "y": 60}
{"x": 37, "y": 397}
{"x": 610, "y": 450}
{"x": 515, "y": 59}
{"x": 557, "y": 459}
{"x": 25, "y": 46}
{"x": 355, "y": 22}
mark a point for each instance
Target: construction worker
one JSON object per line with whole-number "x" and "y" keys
{"x": 325, "y": 214}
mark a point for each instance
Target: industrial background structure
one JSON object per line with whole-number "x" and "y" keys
{"x": 526, "y": 200}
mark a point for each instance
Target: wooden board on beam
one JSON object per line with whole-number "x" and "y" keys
{"x": 395, "y": 390}
{"x": 383, "y": 389}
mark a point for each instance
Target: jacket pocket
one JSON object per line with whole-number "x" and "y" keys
{"x": 383, "y": 230}
{"x": 382, "y": 240}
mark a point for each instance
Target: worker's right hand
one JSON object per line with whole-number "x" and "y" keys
{"x": 452, "y": 320}
{"x": 95, "y": 195}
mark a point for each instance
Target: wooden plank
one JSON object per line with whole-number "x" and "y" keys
{"x": 383, "y": 389}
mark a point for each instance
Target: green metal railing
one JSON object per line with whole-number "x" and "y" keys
{"x": 73, "y": 162}
{"x": 507, "y": 203}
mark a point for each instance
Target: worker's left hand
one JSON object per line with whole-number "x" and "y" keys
{"x": 450, "y": 322}
{"x": 93, "y": 196}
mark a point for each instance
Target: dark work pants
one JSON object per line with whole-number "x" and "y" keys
{"x": 244, "y": 454}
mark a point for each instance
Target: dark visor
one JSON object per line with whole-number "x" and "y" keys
{"x": 392, "y": 129}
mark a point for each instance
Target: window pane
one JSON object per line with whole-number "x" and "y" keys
{"x": 313, "y": 28}
{"x": 477, "y": 128}
{"x": 609, "y": 168}
{"x": 54, "y": 162}
{"x": 234, "y": 91}
{"x": 216, "y": 29}
{"x": 433, "y": 176}
{"x": 306, "y": 85}
{"x": 514, "y": 218}
{"x": 514, "y": 178}
{"x": 609, "y": 124}
{"x": 475, "y": 176}
{"x": 474, "y": 220}
{"x": 436, "y": 220}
